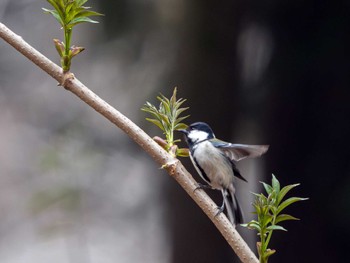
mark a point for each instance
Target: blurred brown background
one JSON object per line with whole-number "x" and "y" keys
{"x": 74, "y": 188}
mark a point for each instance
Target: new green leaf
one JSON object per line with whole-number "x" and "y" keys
{"x": 167, "y": 118}
{"x": 69, "y": 13}
{"x": 268, "y": 210}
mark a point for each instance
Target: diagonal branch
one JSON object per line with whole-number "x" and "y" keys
{"x": 171, "y": 164}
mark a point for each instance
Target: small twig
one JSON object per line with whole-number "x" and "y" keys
{"x": 172, "y": 165}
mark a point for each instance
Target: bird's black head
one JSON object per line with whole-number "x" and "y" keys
{"x": 197, "y": 132}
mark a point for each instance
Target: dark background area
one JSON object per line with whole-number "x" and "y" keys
{"x": 301, "y": 104}
{"x": 272, "y": 72}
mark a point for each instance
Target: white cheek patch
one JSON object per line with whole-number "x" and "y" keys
{"x": 196, "y": 136}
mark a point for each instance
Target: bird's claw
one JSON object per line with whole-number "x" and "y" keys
{"x": 202, "y": 186}
{"x": 220, "y": 210}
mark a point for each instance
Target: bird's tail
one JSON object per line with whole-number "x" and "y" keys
{"x": 233, "y": 209}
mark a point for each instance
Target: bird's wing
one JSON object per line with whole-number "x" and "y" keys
{"x": 237, "y": 152}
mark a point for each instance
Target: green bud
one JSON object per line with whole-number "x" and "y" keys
{"x": 59, "y": 45}
{"x": 75, "y": 50}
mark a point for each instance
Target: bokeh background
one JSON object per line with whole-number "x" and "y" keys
{"x": 74, "y": 188}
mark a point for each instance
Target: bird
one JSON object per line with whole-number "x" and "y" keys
{"x": 214, "y": 161}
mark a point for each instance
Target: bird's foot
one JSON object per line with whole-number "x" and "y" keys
{"x": 202, "y": 186}
{"x": 220, "y": 209}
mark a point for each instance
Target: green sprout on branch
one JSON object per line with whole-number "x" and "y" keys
{"x": 268, "y": 209}
{"x": 69, "y": 13}
{"x": 167, "y": 118}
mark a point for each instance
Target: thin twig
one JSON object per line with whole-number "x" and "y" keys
{"x": 171, "y": 164}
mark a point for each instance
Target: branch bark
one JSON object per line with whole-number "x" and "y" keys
{"x": 171, "y": 164}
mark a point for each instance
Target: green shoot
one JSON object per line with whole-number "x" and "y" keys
{"x": 167, "y": 118}
{"x": 268, "y": 209}
{"x": 69, "y": 13}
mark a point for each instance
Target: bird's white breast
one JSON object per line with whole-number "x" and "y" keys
{"x": 217, "y": 168}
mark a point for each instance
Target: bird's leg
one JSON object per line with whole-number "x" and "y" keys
{"x": 206, "y": 186}
{"x": 220, "y": 208}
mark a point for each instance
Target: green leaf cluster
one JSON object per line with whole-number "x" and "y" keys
{"x": 269, "y": 212}
{"x": 167, "y": 118}
{"x": 69, "y": 13}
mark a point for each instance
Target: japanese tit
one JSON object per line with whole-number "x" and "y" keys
{"x": 214, "y": 160}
